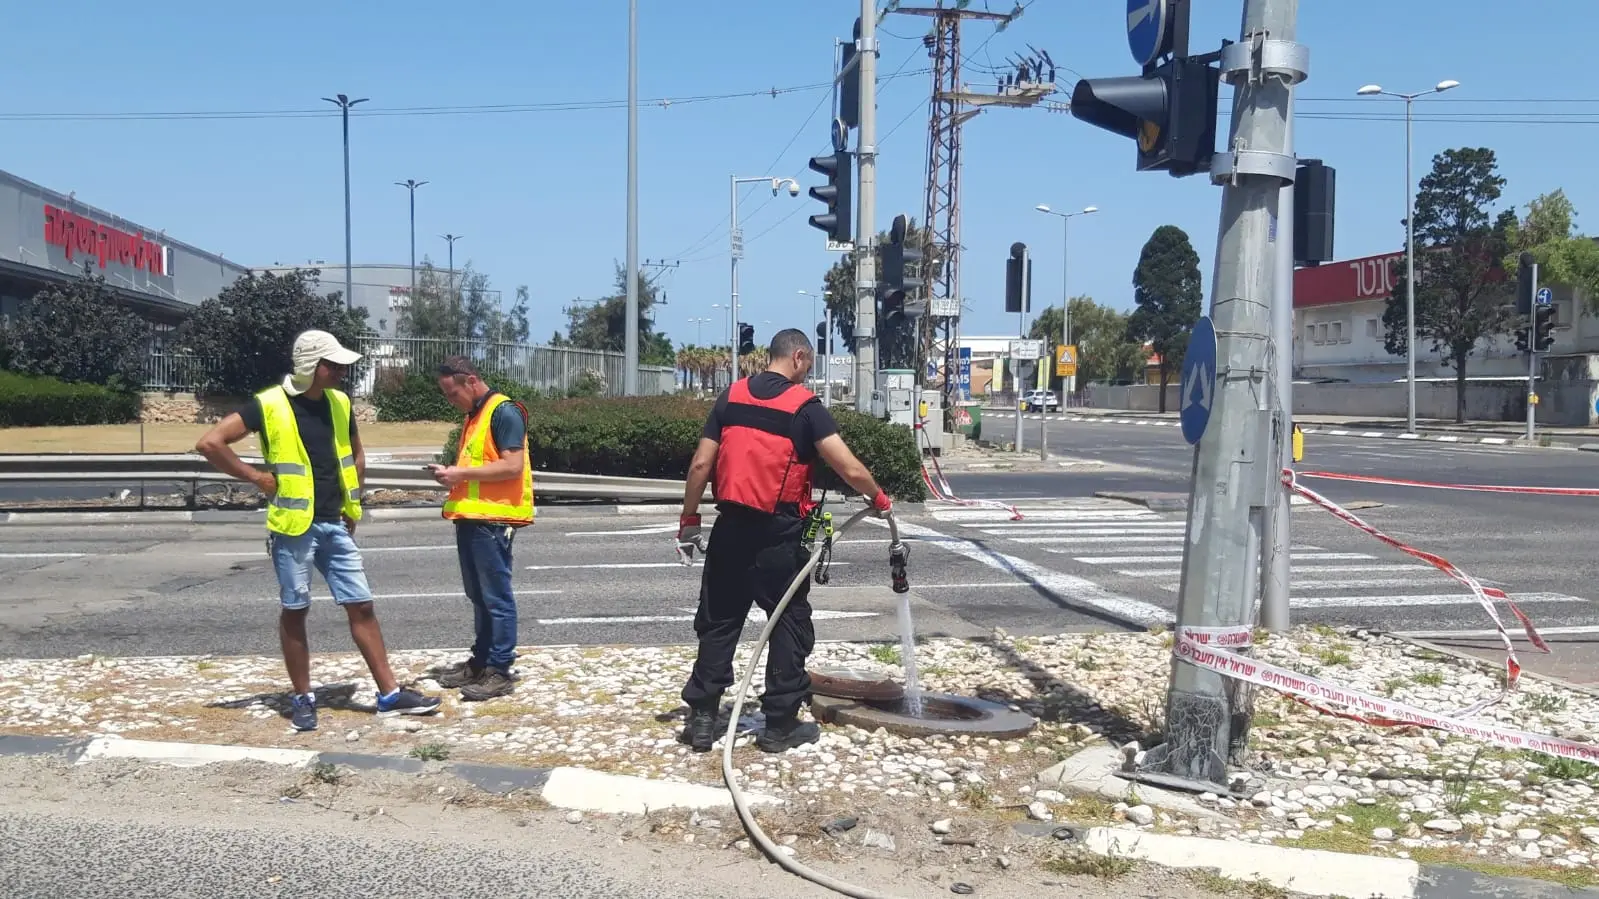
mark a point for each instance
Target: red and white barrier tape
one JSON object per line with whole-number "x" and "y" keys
{"x": 1485, "y": 595}
{"x": 1430, "y": 485}
{"x": 1202, "y": 647}
{"x": 947, "y": 493}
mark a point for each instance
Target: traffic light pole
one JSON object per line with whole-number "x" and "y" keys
{"x": 1532, "y": 357}
{"x": 737, "y": 247}
{"x": 865, "y": 229}
{"x": 1276, "y": 560}
{"x": 1234, "y": 475}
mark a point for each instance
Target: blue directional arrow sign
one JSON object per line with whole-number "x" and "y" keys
{"x": 1199, "y": 381}
{"x": 1147, "y": 24}
{"x": 1545, "y": 296}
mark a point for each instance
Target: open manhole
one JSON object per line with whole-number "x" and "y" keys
{"x": 856, "y": 683}
{"x": 942, "y": 713}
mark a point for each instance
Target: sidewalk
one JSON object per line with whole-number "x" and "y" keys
{"x": 1321, "y": 782}
{"x": 1361, "y": 426}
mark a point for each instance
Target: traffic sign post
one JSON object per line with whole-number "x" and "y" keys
{"x": 1065, "y": 361}
{"x": 1198, "y": 381}
{"x": 1545, "y": 296}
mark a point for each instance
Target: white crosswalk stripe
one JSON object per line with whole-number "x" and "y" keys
{"x": 1152, "y": 553}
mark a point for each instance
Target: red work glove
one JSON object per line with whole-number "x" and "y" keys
{"x": 882, "y": 503}
{"x": 689, "y": 538}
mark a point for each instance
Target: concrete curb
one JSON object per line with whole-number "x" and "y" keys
{"x": 1328, "y": 430}
{"x": 252, "y": 516}
{"x": 563, "y": 787}
{"x": 1154, "y": 502}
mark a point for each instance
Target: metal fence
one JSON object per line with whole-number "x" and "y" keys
{"x": 547, "y": 368}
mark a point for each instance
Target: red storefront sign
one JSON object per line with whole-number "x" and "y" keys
{"x": 1367, "y": 278}
{"x": 75, "y": 233}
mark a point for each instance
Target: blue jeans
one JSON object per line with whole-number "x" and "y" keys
{"x": 329, "y": 547}
{"x": 485, "y": 553}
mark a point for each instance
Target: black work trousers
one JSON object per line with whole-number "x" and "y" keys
{"x": 751, "y": 559}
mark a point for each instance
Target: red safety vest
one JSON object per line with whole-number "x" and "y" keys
{"x": 757, "y": 465}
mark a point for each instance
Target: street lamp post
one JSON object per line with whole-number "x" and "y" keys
{"x": 411, "y": 184}
{"x": 343, "y": 102}
{"x": 451, "y": 239}
{"x": 827, "y": 360}
{"x": 1371, "y": 90}
{"x": 736, "y": 240}
{"x": 1069, "y": 381}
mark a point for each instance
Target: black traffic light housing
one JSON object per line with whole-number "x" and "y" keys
{"x": 1543, "y": 326}
{"x": 902, "y": 265}
{"x": 1314, "y": 190}
{"x": 1170, "y": 112}
{"x": 849, "y": 84}
{"x": 746, "y": 339}
{"x": 1018, "y": 280}
{"x": 1525, "y": 288}
{"x": 835, "y": 222}
{"x": 822, "y": 349}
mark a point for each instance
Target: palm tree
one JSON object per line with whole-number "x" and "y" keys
{"x": 753, "y": 363}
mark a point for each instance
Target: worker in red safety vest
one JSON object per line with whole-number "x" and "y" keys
{"x": 761, "y": 440}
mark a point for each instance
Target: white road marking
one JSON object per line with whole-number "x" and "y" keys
{"x": 994, "y": 527}
{"x": 1433, "y": 599}
{"x": 1171, "y": 532}
{"x": 628, "y": 532}
{"x": 697, "y": 563}
{"x": 452, "y": 594}
{"x": 1576, "y": 630}
{"x": 49, "y": 555}
{"x": 958, "y": 516}
{"x": 755, "y": 615}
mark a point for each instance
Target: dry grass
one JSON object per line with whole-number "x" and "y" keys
{"x": 180, "y": 438}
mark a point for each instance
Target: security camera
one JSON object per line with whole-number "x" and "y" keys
{"x": 793, "y": 188}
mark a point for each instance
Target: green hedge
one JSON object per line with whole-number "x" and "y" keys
{"x": 654, "y": 437}
{"x": 29, "y": 401}
{"x": 416, "y": 397}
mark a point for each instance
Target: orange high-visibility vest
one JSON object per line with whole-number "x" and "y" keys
{"x": 508, "y": 501}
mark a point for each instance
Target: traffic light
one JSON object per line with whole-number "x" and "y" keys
{"x": 849, "y": 86}
{"x": 1543, "y": 327}
{"x": 902, "y": 264}
{"x": 822, "y": 349}
{"x": 1170, "y": 111}
{"x": 1525, "y": 283}
{"x": 1018, "y": 280}
{"x": 835, "y": 193}
{"x": 1315, "y": 185}
{"x": 746, "y": 339}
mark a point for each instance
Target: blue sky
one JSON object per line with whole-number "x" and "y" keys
{"x": 540, "y": 195}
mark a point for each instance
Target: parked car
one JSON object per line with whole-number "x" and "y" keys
{"x": 1040, "y": 401}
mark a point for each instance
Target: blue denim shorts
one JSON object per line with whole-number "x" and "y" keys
{"x": 329, "y": 547}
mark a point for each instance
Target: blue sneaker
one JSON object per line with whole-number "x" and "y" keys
{"x": 406, "y": 702}
{"x": 304, "y": 716}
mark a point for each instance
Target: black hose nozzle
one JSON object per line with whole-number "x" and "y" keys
{"x": 898, "y": 557}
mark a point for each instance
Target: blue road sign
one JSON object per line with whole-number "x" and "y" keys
{"x": 966, "y": 372}
{"x": 1545, "y": 296}
{"x": 932, "y": 369}
{"x": 1147, "y": 22}
{"x": 1198, "y": 388}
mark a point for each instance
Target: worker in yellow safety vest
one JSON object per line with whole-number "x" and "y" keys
{"x": 312, "y": 485}
{"x": 491, "y": 497}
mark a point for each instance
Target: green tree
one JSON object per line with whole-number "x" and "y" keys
{"x": 467, "y": 309}
{"x": 1564, "y": 257}
{"x": 1462, "y": 293}
{"x": 247, "y": 331}
{"x": 1104, "y": 352}
{"x": 1168, "y": 291}
{"x": 602, "y": 324}
{"x": 81, "y": 332}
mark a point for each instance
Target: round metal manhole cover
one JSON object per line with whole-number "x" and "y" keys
{"x": 856, "y": 683}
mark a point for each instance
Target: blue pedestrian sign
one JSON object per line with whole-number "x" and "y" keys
{"x": 1148, "y": 29}
{"x": 1545, "y": 296}
{"x": 1198, "y": 387}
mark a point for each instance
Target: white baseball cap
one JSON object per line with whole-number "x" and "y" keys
{"x": 310, "y": 348}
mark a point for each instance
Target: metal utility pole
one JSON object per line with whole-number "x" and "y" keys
{"x": 451, "y": 239}
{"x": 1372, "y": 90}
{"x": 1021, "y": 333}
{"x": 1065, "y": 288}
{"x": 343, "y": 102}
{"x": 630, "y": 341}
{"x": 1532, "y": 352}
{"x": 866, "y": 224}
{"x": 411, "y": 184}
{"x": 736, "y": 238}
{"x": 1207, "y": 715}
{"x": 1276, "y": 559}
{"x": 952, "y": 106}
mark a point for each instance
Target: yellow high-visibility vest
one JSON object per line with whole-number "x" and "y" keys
{"x": 508, "y": 502}
{"x": 289, "y": 511}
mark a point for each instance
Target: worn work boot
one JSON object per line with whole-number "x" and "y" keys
{"x": 783, "y": 734}
{"x": 492, "y": 684}
{"x": 700, "y": 730}
{"x": 458, "y": 675}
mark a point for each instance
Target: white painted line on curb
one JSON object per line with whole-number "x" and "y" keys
{"x": 1313, "y": 872}
{"x": 1495, "y": 440}
{"x": 1450, "y": 439}
{"x": 620, "y": 794}
{"x": 1432, "y": 599}
{"x": 1408, "y": 436}
{"x": 190, "y": 755}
